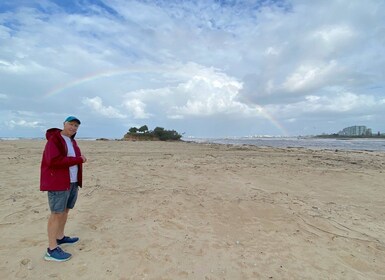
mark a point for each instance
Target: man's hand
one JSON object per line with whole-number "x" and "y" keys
{"x": 84, "y": 158}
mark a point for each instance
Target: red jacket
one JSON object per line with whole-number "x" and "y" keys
{"x": 54, "y": 171}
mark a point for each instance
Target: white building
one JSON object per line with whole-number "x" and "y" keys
{"x": 357, "y": 130}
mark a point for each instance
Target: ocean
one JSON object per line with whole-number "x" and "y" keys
{"x": 298, "y": 142}
{"x": 278, "y": 142}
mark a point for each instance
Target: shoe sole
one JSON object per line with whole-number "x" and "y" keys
{"x": 49, "y": 258}
{"x": 69, "y": 243}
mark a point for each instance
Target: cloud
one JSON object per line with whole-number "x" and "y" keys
{"x": 96, "y": 104}
{"x": 327, "y": 106}
{"x": 209, "y": 95}
{"x": 204, "y": 92}
{"x": 137, "y": 107}
{"x": 11, "y": 67}
{"x": 22, "y": 124}
{"x": 342, "y": 102}
{"x": 301, "y": 81}
{"x": 309, "y": 77}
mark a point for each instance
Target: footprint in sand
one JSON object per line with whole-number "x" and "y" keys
{"x": 82, "y": 269}
{"x": 25, "y": 266}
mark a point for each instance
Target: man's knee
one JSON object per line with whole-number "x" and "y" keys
{"x": 58, "y": 216}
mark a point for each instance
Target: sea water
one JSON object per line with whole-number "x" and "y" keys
{"x": 280, "y": 142}
{"x": 309, "y": 143}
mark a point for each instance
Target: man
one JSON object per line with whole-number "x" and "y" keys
{"x": 61, "y": 175}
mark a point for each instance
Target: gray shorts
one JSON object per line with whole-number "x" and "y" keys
{"x": 61, "y": 200}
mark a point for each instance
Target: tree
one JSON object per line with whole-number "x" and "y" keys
{"x": 164, "y": 135}
{"x": 133, "y": 130}
{"x": 143, "y": 129}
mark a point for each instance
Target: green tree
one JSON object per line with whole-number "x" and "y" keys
{"x": 143, "y": 129}
{"x": 133, "y": 130}
{"x": 164, "y": 135}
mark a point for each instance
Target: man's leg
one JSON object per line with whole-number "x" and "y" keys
{"x": 72, "y": 197}
{"x": 63, "y": 221}
{"x": 55, "y": 222}
{"x": 54, "y": 252}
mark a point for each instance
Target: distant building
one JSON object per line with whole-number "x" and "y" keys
{"x": 357, "y": 130}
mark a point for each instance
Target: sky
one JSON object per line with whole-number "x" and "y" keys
{"x": 205, "y": 68}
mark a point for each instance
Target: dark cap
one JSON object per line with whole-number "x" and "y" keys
{"x": 72, "y": 119}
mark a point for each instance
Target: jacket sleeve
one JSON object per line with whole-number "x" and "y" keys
{"x": 56, "y": 156}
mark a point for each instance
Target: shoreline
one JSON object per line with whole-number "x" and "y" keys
{"x": 233, "y": 142}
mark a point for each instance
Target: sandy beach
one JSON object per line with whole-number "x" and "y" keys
{"x": 162, "y": 210}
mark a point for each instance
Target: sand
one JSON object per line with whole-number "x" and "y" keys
{"x": 157, "y": 210}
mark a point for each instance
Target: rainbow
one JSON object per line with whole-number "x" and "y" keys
{"x": 99, "y": 75}
{"x": 272, "y": 120}
{"x": 116, "y": 72}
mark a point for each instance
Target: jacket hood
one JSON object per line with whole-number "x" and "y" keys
{"x": 52, "y": 131}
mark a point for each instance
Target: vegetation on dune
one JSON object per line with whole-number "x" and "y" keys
{"x": 159, "y": 133}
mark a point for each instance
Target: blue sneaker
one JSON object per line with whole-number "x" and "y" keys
{"x": 67, "y": 240}
{"x": 57, "y": 255}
